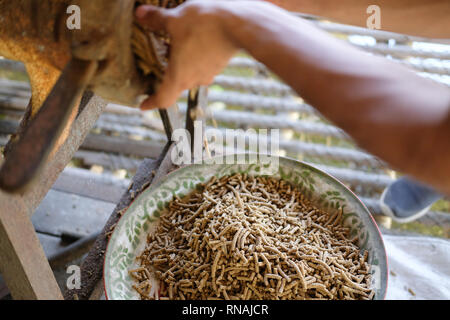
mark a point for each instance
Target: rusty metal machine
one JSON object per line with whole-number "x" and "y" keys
{"x": 73, "y": 74}
{"x": 101, "y": 56}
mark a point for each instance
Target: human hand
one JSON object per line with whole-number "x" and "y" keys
{"x": 200, "y": 46}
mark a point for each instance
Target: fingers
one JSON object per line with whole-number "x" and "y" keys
{"x": 152, "y": 18}
{"x": 166, "y": 95}
{"x": 155, "y": 19}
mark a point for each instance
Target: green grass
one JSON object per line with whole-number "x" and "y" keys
{"x": 11, "y": 75}
{"x": 417, "y": 227}
{"x": 241, "y": 72}
{"x": 441, "y": 205}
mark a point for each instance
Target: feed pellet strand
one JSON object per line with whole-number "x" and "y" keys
{"x": 244, "y": 237}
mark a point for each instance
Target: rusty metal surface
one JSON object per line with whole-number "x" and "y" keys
{"x": 56, "y": 164}
{"x": 109, "y": 68}
{"x": 166, "y": 123}
{"x": 35, "y": 32}
{"x": 118, "y": 78}
{"x": 33, "y": 148}
{"x": 171, "y": 120}
{"x": 196, "y": 104}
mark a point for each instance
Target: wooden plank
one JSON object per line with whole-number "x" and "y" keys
{"x": 64, "y": 213}
{"x": 22, "y": 260}
{"x": 51, "y": 246}
{"x": 8, "y": 126}
{"x": 99, "y": 142}
{"x": 110, "y": 161}
{"x": 88, "y": 184}
{"x": 11, "y": 65}
{"x": 7, "y": 92}
{"x": 143, "y": 148}
{"x": 15, "y": 103}
{"x": 15, "y": 114}
{"x": 3, "y": 141}
{"x": 15, "y": 85}
{"x": 62, "y": 157}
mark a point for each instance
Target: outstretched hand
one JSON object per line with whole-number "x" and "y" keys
{"x": 200, "y": 46}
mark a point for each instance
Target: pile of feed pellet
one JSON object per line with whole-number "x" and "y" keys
{"x": 151, "y": 49}
{"x": 243, "y": 237}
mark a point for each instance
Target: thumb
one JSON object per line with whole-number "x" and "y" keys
{"x": 152, "y": 18}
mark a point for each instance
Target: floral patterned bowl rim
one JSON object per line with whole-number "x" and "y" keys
{"x": 129, "y": 236}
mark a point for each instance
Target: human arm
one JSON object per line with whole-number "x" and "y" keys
{"x": 386, "y": 108}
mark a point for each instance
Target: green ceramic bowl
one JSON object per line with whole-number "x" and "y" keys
{"x": 129, "y": 237}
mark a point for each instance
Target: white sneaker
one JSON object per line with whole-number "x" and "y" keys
{"x": 406, "y": 200}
